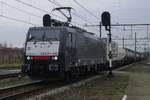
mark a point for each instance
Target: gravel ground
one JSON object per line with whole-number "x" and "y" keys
{"x": 10, "y": 66}
{"x": 139, "y": 85}
{"x": 133, "y": 82}
{"x": 104, "y": 88}
{"x": 5, "y": 83}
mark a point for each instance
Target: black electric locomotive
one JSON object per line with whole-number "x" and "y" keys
{"x": 62, "y": 50}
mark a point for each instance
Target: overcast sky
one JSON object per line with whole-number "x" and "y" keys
{"x": 122, "y": 11}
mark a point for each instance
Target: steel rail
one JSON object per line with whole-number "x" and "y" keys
{"x": 12, "y": 92}
{"x": 13, "y": 75}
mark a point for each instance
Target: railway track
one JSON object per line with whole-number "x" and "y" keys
{"x": 13, "y": 93}
{"x": 76, "y": 84}
{"x": 24, "y": 90}
{"x": 5, "y": 76}
{"x": 32, "y": 89}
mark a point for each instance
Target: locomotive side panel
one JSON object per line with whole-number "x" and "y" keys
{"x": 70, "y": 50}
{"x": 83, "y": 49}
{"x": 90, "y": 51}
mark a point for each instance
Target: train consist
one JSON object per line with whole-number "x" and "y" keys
{"x": 58, "y": 49}
{"x": 124, "y": 56}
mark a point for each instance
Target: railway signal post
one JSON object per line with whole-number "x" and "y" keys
{"x": 106, "y": 21}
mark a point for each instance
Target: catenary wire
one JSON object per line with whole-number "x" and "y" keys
{"x": 92, "y": 14}
{"x": 37, "y": 8}
{"x": 21, "y": 10}
{"x": 18, "y": 20}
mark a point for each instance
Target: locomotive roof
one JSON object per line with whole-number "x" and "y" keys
{"x": 74, "y": 30}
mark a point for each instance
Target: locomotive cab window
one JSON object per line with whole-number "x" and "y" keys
{"x": 43, "y": 35}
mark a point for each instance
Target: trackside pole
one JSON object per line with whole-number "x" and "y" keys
{"x": 110, "y": 51}
{"x": 106, "y": 21}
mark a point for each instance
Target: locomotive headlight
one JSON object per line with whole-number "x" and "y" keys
{"x": 28, "y": 58}
{"x": 55, "y": 58}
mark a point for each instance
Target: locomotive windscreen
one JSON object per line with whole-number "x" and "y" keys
{"x": 43, "y": 35}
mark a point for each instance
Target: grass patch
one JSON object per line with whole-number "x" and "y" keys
{"x": 138, "y": 68}
{"x": 11, "y": 66}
